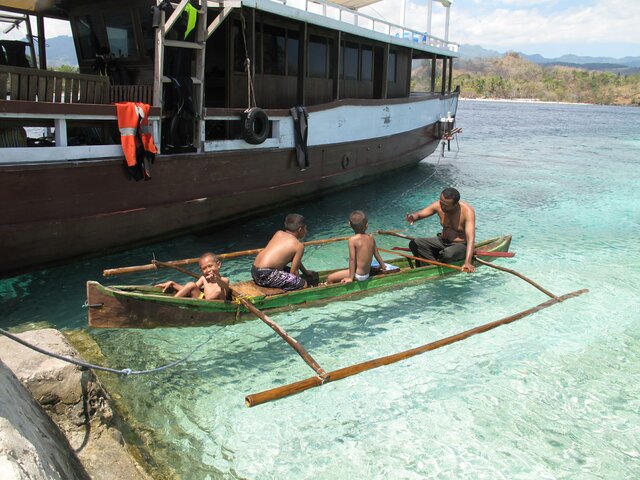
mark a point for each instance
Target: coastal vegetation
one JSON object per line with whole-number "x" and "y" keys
{"x": 512, "y": 77}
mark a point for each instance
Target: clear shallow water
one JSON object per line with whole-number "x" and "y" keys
{"x": 554, "y": 395}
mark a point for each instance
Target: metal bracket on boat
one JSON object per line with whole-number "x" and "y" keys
{"x": 86, "y": 304}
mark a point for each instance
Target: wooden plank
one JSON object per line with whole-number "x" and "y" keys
{"x": 83, "y": 91}
{"x": 4, "y": 85}
{"x": 67, "y": 91}
{"x": 58, "y": 90}
{"x": 250, "y": 289}
{"x": 32, "y": 87}
{"x": 42, "y": 89}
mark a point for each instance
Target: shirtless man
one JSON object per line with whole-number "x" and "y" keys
{"x": 362, "y": 248}
{"x": 457, "y": 240}
{"x": 269, "y": 268}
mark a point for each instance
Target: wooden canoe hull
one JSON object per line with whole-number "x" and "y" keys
{"x": 146, "y": 307}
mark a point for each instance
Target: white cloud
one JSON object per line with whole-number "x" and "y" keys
{"x": 516, "y": 24}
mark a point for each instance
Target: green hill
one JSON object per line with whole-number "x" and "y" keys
{"x": 512, "y": 77}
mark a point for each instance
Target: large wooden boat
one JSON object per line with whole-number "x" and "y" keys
{"x": 220, "y": 157}
{"x": 139, "y": 306}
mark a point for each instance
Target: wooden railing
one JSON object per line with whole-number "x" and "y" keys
{"x": 50, "y": 86}
{"x": 35, "y": 85}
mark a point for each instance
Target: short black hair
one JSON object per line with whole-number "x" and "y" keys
{"x": 358, "y": 221}
{"x": 451, "y": 193}
{"x": 294, "y": 222}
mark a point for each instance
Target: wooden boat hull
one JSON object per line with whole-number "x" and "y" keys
{"x": 59, "y": 211}
{"x": 147, "y": 307}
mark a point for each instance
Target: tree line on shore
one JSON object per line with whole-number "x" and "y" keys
{"x": 512, "y": 77}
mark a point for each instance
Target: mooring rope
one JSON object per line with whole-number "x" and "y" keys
{"x": 124, "y": 371}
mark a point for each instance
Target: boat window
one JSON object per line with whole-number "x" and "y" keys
{"x": 273, "y": 50}
{"x": 87, "y": 38}
{"x": 366, "y": 64}
{"x": 350, "y": 61}
{"x": 292, "y": 53}
{"x": 391, "y": 68}
{"x": 148, "y": 32}
{"x": 122, "y": 42}
{"x": 318, "y": 53}
{"x": 238, "y": 50}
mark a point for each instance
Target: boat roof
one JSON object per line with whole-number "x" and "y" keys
{"x": 46, "y": 8}
{"x": 355, "y": 4}
{"x": 356, "y": 23}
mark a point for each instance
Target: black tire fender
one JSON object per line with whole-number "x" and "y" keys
{"x": 255, "y": 126}
{"x": 346, "y": 161}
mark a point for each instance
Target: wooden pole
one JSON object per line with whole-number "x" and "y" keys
{"x": 189, "y": 261}
{"x": 423, "y": 260}
{"x": 262, "y": 316}
{"x": 519, "y": 275}
{"x": 298, "y": 387}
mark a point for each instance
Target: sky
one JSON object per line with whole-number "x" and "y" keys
{"x": 551, "y": 28}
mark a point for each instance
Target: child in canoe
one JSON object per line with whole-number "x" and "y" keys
{"x": 270, "y": 266}
{"x": 205, "y": 288}
{"x": 362, "y": 249}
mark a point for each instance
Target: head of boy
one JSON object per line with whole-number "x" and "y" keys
{"x": 294, "y": 223}
{"x": 358, "y": 221}
{"x": 209, "y": 263}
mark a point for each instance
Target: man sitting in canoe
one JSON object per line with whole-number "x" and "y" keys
{"x": 206, "y": 287}
{"x": 270, "y": 266}
{"x": 362, "y": 248}
{"x": 456, "y": 242}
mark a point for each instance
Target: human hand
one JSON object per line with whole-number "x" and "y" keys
{"x": 346, "y": 280}
{"x": 409, "y": 217}
{"x": 468, "y": 267}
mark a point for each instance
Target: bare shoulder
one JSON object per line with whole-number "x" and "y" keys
{"x": 467, "y": 207}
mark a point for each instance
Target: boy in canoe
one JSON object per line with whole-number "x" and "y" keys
{"x": 362, "y": 249}
{"x": 270, "y": 266}
{"x": 206, "y": 287}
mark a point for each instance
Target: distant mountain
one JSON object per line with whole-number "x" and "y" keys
{"x": 591, "y": 63}
{"x": 61, "y": 51}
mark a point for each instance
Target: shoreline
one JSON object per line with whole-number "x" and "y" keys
{"x": 535, "y": 100}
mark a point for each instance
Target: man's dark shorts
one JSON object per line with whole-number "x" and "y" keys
{"x": 273, "y": 278}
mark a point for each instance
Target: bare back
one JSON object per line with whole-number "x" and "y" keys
{"x": 283, "y": 248}
{"x": 361, "y": 248}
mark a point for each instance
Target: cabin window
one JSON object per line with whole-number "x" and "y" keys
{"x": 366, "y": 64}
{"x": 350, "y": 61}
{"x": 318, "y": 57}
{"x": 292, "y": 53}
{"x": 273, "y": 50}
{"x": 392, "y": 67}
{"x": 122, "y": 41}
{"x": 87, "y": 39}
{"x": 148, "y": 32}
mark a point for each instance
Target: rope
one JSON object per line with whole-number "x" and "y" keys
{"x": 251, "y": 94}
{"x": 124, "y": 371}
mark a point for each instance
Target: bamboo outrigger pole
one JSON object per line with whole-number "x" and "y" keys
{"x": 298, "y": 387}
{"x": 262, "y": 316}
{"x": 519, "y": 275}
{"x": 188, "y": 261}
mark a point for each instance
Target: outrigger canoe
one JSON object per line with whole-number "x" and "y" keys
{"x": 143, "y": 306}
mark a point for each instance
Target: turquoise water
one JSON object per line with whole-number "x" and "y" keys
{"x": 554, "y": 395}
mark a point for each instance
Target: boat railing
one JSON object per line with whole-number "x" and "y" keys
{"x": 19, "y": 116}
{"x": 347, "y": 15}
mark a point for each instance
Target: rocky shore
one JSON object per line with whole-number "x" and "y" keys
{"x": 70, "y": 432}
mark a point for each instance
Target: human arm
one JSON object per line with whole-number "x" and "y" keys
{"x": 470, "y": 236}
{"x": 296, "y": 262}
{"x": 420, "y": 214}
{"x": 378, "y": 257}
{"x": 353, "y": 262}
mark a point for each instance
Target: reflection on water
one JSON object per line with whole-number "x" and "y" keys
{"x": 556, "y": 394}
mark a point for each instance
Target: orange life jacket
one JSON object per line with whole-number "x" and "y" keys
{"x": 136, "y": 137}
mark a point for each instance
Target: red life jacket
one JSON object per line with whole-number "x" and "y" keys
{"x": 136, "y": 137}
